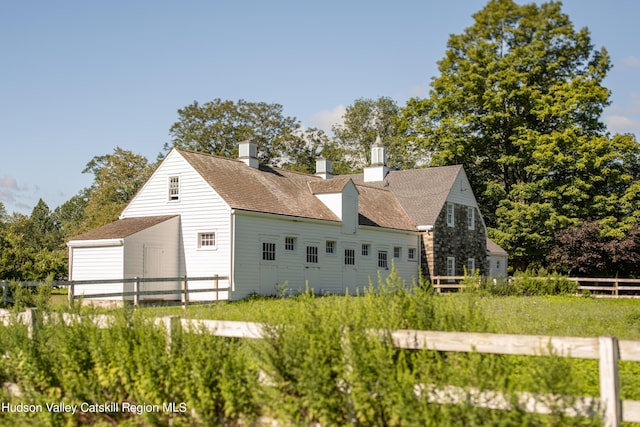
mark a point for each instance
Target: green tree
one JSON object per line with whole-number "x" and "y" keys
{"x": 302, "y": 151}
{"x": 71, "y": 214}
{"x": 117, "y": 178}
{"x": 32, "y": 247}
{"x": 218, "y": 126}
{"x": 519, "y": 103}
{"x": 364, "y": 121}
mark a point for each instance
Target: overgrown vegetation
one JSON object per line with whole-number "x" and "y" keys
{"x": 319, "y": 363}
{"x": 527, "y": 283}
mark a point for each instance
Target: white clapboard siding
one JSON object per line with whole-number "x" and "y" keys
{"x": 461, "y": 192}
{"x": 253, "y": 274}
{"x": 161, "y": 240}
{"x": 106, "y": 262}
{"x": 201, "y": 209}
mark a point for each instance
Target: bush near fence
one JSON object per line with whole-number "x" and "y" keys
{"x": 318, "y": 363}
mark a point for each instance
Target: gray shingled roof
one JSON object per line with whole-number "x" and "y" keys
{"x": 325, "y": 186}
{"x": 123, "y": 228}
{"x": 278, "y": 191}
{"x": 421, "y": 192}
{"x": 380, "y": 208}
{"x": 267, "y": 189}
{"x": 494, "y": 249}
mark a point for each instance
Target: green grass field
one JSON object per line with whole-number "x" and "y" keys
{"x": 534, "y": 315}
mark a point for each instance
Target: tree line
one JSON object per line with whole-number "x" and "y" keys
{"x": 518, "y": 101}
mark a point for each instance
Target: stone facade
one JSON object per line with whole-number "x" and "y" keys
{"x": 459, "y": 242}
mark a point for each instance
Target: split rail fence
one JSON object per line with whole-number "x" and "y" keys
{"x": 137, "y": 283}
{"x": 606, "y": 349}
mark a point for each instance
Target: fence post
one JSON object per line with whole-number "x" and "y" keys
{"x": 136, "y": 289}
{"x": 172, "y": 326}
{"x": 215, "y": 285}
{"x": 609, "y": 381}
{"x": 31, "y": 322}
{"x": 185, "y": 293}
{"x": 615, "y": 284}
{"x": 70, "y": 293}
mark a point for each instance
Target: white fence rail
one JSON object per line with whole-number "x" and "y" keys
{"x": 137, "y": 291}
{"x": 612, "y": 286}
{"x": 608, "y": 350}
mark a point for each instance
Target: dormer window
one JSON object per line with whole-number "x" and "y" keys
{"x": 174, "y": 188}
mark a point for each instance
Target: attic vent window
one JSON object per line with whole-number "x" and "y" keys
{"x": 174, "y": 188}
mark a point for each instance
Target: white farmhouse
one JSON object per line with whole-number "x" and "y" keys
{"x": 201, "y": 215}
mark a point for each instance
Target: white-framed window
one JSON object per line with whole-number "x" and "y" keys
{"x": 411, "y": 254}
{"x": 207, "y": 240}
{"x": 349, "y": 256}
{"x": 451, "y": 266}
{"x": 366, "y": 249}
{"x": 268, "y": 251}
{"x": 174, "y": 188}
{"x": 290, "y": 243}
{"x": 397, "y": 251}
{"x": 382, "y": 259}
{"x": 330, "y": 247}
{"x": 471, "y": 265}
{"x": 471, "y": 218}
{"x": 451, "y": 215}
{"x": 312, "y": 254}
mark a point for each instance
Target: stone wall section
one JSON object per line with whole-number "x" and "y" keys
{"x": 458, "y": 241}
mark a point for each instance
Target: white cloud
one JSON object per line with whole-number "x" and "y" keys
{"x": 622, "y": 124}
{"x": 624, "y": 117}
{"x": 8, "y": 182}
{"x": 631, "y": 61}
{"x": 14, "y": 196}
{"x": 326, "y": 119}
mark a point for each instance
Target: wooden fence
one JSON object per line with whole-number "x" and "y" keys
{"x": 606, "y": 349}
{"x": 600, "y": 286}
{"x": 136, "y": 293}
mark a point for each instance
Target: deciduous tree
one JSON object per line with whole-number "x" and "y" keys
{"x": 117, "y": 178}
{"x": 518, "y": 102}
{"x": 216, "y": 127}
{"x": 363, "y": 122}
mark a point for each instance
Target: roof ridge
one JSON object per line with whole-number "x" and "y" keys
{"x": 216, "y": 156}
{"x": 203, "y": 153}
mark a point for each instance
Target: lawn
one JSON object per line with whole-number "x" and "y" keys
{"x": 533, "y": 315}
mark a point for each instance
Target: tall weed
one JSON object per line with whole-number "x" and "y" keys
{"x": 324, "y": 360}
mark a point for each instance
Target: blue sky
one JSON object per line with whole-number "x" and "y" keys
{"x": 78, "y": 78}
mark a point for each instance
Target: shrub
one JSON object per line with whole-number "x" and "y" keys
{"x": 529, "y": 283}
